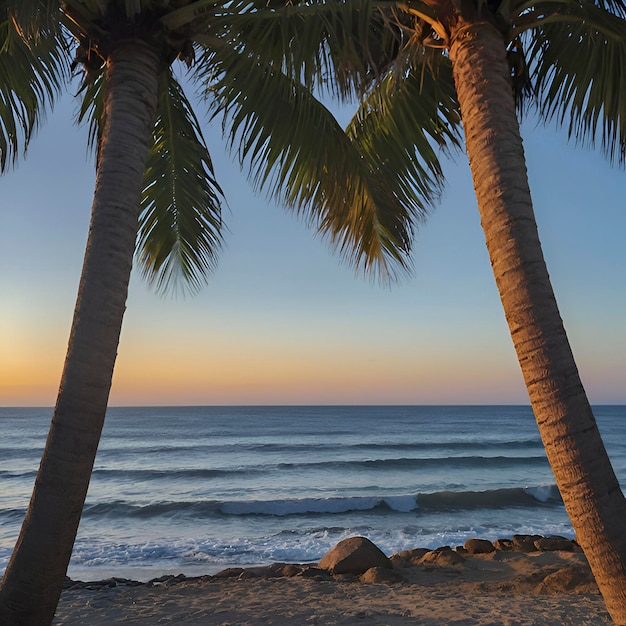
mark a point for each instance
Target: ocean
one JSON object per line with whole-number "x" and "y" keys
{"x": 194, "y": 490}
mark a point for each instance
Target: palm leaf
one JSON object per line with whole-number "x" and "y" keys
{"x": 404, "y": 122}
{"x": 296, "y": 151}
{"x": 332, "y": 45}
{"x": 35, "y": 18}
{"x": 578, "y": 61}
{"x": 180, "y": 223}
{"x": 31, "y": 75}
{"x": 91, "y": 110}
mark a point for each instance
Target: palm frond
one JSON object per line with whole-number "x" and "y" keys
{"x": 194, "y": 12}
{"x": 31, "y": 76}
{"x": 616, "y": 7}
{"x": 35, "y": 18}
{"x": 331, "y": 45}
{"x": 180, "y": 223}
{"x": 91, "y": 110}
{"x": 297, "y": 152}
{"x": 578, "y": 63}
{"x": 402, "y": 125}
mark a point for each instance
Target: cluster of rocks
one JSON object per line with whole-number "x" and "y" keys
{"x": 358, "y": 554}
{"x": 358, "y": 557}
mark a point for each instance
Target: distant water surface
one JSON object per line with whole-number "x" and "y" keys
{"x": 197, "y": 489}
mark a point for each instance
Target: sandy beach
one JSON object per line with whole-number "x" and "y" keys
{"x": 444, "y": 586}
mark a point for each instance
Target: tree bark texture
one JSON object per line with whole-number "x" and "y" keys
{"x": 33, "y": 580}
{"x": 583, "y": 472}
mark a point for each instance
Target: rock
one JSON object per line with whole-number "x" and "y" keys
{"x": 229, "y": 572}
{"x": 276, "y": 570}
{"x": 168, "y": 580}
{"x": 478, "y": 546}
{"x": 503, "y": 544}
{"x": 555, "y": 543}
{"x": 354, "y": 556}
{"x": 569, "y": 579}
{"x": 290, "y": 569}
{"x": 399, "y": 562}
{"x": 525, "y": 543}
{"x": 407, "y": 558}
{"x": 381, "y": 575}
{"x": 442, "y": 556}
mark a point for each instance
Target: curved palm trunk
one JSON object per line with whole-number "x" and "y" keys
{"x": 583, "y": 472}
{"x": 34, "y": 577}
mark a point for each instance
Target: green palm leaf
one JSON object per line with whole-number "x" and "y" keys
{"x": 31, "y": 75}
{"x": 578, "y": 61}
{"x": 296, "y": 150}
{"x": 35, "y": 18}
{"x": 409, "y": 117}
{"x": 180, "y": 222}
{"x": 91, "y": 110}
{"x": 331, "y": 44}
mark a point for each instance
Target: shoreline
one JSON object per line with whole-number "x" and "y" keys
{"x": 520, "y": 585}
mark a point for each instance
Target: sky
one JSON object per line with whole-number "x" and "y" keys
{"x": 283, "y": 321}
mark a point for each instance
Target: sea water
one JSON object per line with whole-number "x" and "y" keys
{"x": 196, "y": 489}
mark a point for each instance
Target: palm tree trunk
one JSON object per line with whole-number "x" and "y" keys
{"x": 33, "y": 580}
{"x": 583, "y": 472}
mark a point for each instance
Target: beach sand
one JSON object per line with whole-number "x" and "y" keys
{"x": 499, "y": 588}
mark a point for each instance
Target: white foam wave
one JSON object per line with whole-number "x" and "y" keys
{"x": 544, "y": 493}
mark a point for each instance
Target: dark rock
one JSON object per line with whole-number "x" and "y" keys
{"x": 230, "y": 572}
{"x": 381, "y": 575}
{"x": 555, "y": 543}
{"x": 354, "y": 556}
{"x": 569, "y": 579}
{"x": 479, "y": 546}
{"x": 175, "y": 580}
{"x": 407, "y": 558}
{"x": 525, "y": 543}
{"x": 275, "y": 570}
{"x": 503, "y": 544}
{"x": 290, "y": 569}
{"x": 442, "y": 556}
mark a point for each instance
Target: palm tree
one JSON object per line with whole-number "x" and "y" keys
{"x": 156, "y": 196}
{"x": 498, "y": 58}
{"x": 566, "y": 58}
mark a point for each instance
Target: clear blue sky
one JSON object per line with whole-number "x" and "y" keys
{"x": 283, "y": 322}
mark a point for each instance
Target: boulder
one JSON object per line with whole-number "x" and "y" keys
{"x": 290, "y": 569}
{"x": 555, "y": 543}
{"x": 442, "y": 556}
{"x": 503, "y": 544}
{"x": 229, "y": 572}
{"x": 573, "y": 579}
{"x": 381, "y": 575}
{"x": 354, "y": 556}
{"x": 525, "y": 543}
{"x": 407, "y": 558}
{"x": 478, "y": 546}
